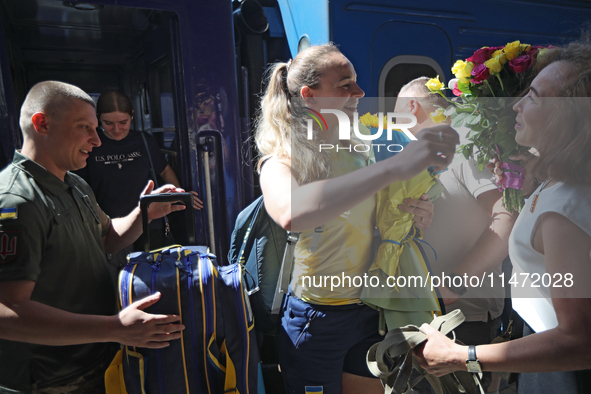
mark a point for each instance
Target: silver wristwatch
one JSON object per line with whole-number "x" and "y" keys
{"x": 459, "y": 290}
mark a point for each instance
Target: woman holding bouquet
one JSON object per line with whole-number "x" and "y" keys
{"x": 328, "y": 196}
{"x": 550, "y": 239}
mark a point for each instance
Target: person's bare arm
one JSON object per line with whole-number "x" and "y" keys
{"x": 564, "y": 348}
{"x": 300, "y": 207}
{"x": 168, "y": 176}
{"x": 492, "y": 246}
{"x": 24, "y": 320}
{"x": 124, "y": 231}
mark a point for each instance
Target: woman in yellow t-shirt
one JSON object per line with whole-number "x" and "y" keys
{"x": 318, "y": 182}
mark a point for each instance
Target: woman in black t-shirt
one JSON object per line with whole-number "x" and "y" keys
{"x": 119, "y": 169}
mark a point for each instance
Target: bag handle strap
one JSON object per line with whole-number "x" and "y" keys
{"x": 391, "y": 359}
{"x": 167, "y": 232}
{"x": 150, "y": 159}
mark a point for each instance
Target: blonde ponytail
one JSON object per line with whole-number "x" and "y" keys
{"x": 281, "y": 123}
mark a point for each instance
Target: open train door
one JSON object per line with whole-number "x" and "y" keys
{"x": 158, "y": 97}
{"x": 192, "y": 138}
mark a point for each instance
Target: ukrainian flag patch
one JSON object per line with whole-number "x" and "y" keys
{"x": 314, "y": 389}
{"x": 8, "y": 213}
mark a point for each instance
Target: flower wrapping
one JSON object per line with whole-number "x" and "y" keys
{"x": 397, "y": 254}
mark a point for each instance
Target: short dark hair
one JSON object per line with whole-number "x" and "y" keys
{"x": 50, "y": 97}
{"x": 113, "y": 101}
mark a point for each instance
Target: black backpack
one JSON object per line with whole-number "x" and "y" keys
{"x": 260, "y": 245}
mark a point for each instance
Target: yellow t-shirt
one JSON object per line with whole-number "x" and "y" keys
{"x": 331, "y": 273}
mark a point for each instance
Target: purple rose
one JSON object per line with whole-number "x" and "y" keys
{"x": 479, "y": 74}
{"x": 521, "y": 63}
{"x": 481, "y": 55}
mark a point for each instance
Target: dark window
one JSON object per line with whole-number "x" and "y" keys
{"x": 402, "y": 73}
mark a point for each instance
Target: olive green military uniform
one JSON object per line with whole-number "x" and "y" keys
{"x": 50, "y": 233}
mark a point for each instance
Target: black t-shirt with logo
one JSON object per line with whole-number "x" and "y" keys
{"x": 118, "y": 171}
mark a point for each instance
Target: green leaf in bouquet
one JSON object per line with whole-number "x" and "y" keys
{"x": 506, "y": 125}
{"x": 478, "y": 127}
{"x": 460, "y": 119}
{"x": 495, "y": 106}
{"x": 476, "y": 119}
{"x": 467, "y": 108}
{"x": 464, "y": 87}
{"x": 467, "y": 150}
{"x": 510, "y": 145}
{"x": 481, "y": 162}
{"x": 449, "y": 111}
{"x": 468, "y": 120}
{"x": 485, "y": 90}
{"x": 505, "y": 156}
{"x": 499, "y": 138}
{"x": 506, "y": 141}
{"x": 473, "y": 134}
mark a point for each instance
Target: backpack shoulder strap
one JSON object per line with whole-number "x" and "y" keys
{"x": 284, "y": 272}
{"x": 242, "y": 234}
{"x": 250, "y": 228}
{"x": 150, "y": 159}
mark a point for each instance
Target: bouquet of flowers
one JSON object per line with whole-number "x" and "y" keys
{"x": 485, "y": 83}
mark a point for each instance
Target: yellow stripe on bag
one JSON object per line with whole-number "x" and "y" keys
{"x": 204, "y": 322}
{"x": 114, "y": 381}
{"x": 212, "y": 357}
{"x": 130, "y": 290}
{"x": 178, "y": 294}
{"x": 230, "y": 383}
{"x": 141, "y": 367}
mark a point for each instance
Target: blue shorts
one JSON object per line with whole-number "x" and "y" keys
{"x": 317, "y": 343}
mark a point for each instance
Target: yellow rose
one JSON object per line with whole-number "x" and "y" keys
{"x": 496, "y": 53}
{"x": 435, "y": 84}
{"x": 462, "y": 70}
{"x": 370, "y": 120}
{"x": 438, "y": 116}
{"x": 459, "y": 65}
{"x": 496, "y": 63}
{"x": 512, "y": 50}
{"x": 525, "y": 47}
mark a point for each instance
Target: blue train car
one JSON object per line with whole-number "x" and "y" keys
{"x": 182, "y": 61}
{"x": 393, "y": 42}
{"x": 194, "y": 68}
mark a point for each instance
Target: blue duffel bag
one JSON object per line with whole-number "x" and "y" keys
{"x": 217, "y": 351}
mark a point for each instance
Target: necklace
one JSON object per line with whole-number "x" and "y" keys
{"x": 533, "y": 205}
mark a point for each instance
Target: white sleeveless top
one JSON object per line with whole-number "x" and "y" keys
{"x": 534, "y": 304}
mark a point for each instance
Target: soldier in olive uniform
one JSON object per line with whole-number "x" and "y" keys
{"x": 58, "y": 319}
